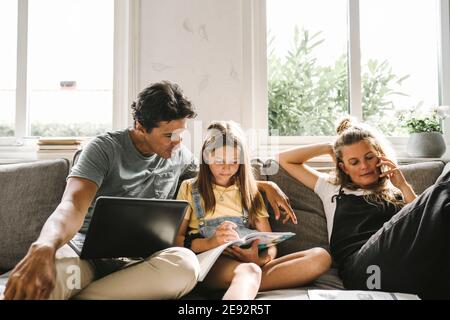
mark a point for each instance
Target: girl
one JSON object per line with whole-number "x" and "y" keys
{"x": 226, "y": 205}
{"x": 381, "y": 234}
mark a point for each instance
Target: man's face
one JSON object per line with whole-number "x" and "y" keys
{"x": 164, "y": 139}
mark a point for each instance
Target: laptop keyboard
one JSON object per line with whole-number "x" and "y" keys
{"x": 77, "y": 242}
{"x": 77, "y": 245}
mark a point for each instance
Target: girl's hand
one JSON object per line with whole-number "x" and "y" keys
{"x": 224, "y": 233}
{"x": 394, "y": 174}
{"x": 251, "y": 254}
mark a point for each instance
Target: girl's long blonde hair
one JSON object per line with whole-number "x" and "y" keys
{"x": 350, "y": 132}
{"x": 221, "y": 134}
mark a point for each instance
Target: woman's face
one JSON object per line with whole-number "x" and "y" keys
{"x": 359, "y": 161}
{"x": 224, "y": 164}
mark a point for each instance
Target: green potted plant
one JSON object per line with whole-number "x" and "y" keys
{"x": 425, "y": 140}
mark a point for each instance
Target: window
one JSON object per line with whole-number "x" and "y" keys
{"x": 65, "y": 74}
{"x": 307, "y": 66}
{"x": 70, "y": 54}
{"x": 310, "y": 64}
{"x": 399, "y": 60}
{"x": 8, "y": 62}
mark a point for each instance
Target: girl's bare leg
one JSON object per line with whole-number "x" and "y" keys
{"x": 241, "y": 279}
{"x": 294, "y": 270}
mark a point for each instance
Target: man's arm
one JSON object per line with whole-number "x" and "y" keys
{"x": 277, "y": 200}
{"x": 34, "y": 276}
{"x": 68, "y": 217}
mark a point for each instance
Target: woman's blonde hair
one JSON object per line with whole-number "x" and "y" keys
{"x": 221, "y": 134}
{"x": 350, "y": 132}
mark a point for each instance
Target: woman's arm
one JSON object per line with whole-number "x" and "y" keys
{"x": 408, "y": 193}
{"x": 293, "y": 161}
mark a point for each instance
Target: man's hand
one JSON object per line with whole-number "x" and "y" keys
{"x": 34, "y": 276}
{"x": 278, "y": 200}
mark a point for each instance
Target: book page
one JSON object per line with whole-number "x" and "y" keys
{"x": 267, "y": 239}
{"x": 208, "y": 258}
{"x": 2, "y": 287}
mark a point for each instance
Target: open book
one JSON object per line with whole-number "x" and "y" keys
{"x": 358, "y": 295}
{"x": 266, "y": 240}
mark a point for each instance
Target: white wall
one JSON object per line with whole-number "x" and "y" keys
{"x": 198, "y": 44}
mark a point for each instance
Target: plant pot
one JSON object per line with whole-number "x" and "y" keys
{"x": 426, "y": 145}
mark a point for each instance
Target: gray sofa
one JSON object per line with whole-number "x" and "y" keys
{"x": 31, "y": 191}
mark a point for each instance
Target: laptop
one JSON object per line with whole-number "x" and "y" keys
{"x": 130, "y": 227}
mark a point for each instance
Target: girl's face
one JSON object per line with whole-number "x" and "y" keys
{"x": 359, "y": 161}
{"x": 224, "y": 164}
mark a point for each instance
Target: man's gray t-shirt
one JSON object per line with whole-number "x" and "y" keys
{"x": 114, "y": 164}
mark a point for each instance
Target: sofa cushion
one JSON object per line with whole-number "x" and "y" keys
{"x": 445, "y": 171}
{"x": 30, "y": 192}
{"x": 422, "y": 175}
{"x": 328, "y": 281}
{"x": 311, "y": 230}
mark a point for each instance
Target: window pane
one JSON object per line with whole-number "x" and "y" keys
{"x": 399, "y": 59}
{"x": 8, "y": 63}
{"x": 70, "y": 66}
{"x": 307, "y": 66}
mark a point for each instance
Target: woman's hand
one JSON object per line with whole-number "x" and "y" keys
{"x": 278, "y": 200}
{"x": 398, "y": 180}
{"x": 224, "y": 233}
{"x": 251, "y": 254}
{"x": 394, "y": 174}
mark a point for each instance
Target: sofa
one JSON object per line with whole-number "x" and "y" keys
{"x": 29, "y": 192}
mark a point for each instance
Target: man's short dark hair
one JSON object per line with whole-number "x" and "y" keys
{"x": 162, "y": 101}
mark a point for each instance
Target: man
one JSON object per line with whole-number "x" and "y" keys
{"x": 146, "y": 161}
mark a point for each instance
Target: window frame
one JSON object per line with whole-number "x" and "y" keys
{"x": 125, "y": 68}
{"x": 255, "y": 56}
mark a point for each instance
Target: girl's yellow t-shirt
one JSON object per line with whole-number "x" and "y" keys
{"x": 230, "y": 206}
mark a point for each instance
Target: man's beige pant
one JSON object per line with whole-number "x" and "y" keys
{"x": 167, "y": 274}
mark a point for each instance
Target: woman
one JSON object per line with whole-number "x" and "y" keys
{"x": 382, "y": 236}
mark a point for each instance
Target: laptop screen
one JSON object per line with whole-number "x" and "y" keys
{"x": 130, "y": 227}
